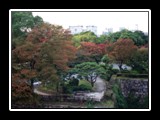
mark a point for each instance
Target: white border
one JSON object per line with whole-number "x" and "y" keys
{"x": 88, "y": 11}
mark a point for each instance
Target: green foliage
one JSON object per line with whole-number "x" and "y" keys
{"x": 101, "y": 39}
{"x": 131, "y": 101}
{"x": 85, "y": 83}
{"x": 89, "y": 71}
{"x": 115, "y": 71}
{"x": 74, "y": 82}
{"x": 140, "y": 60}
{"x": 22, "y": 22}
{"x": 82, "y": 86}
{"x": 120, "y": 100}
{"x": 137, "y": 102}
{"x": 83, "y": 37}
{"x": 138, "y": 37}
{"x": 107, "y": 71}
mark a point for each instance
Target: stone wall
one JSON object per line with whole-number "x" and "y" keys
{"x": 139, "y": 87}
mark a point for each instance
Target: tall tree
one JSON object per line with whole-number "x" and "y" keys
{"x": 47, "y": 50}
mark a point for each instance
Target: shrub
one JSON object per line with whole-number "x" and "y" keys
{"x": 83, "y": 87}
{"x": 120, "y": 100}
{"x": 115, "y": 71}
{"x": 74, "y": 82}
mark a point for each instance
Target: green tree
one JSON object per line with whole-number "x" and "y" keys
{"x": 140, "y": 60}
{"x": 89, "y": 71}
{"x": 22, "y": 23}
{"x": 138, "y": 37}
{"x": 107, "y": 67}
{"x": 84, "y": 37}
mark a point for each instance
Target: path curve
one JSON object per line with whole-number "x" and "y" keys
{"x": 41, "y": 93}
{"x": 99, "y": 88}
{"x": 97, "y": 95}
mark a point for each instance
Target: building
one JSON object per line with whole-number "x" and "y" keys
{"x": 75, "y": 29}
{"x": 107, "y": 31}
{"x": 92, "y": 29}
{"x": 78, "y": 29}
{"x": 121, "y": 28}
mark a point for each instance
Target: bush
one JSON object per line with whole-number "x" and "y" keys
{"x": 134, "y": 72}
{"x": 82, "y": 87}
{"x": 120, "y": 100}
{"x": 125, "y": 71}
{"x": 132, "y": 75}
{"x": 115, "y": 71}
{"x": 74, "y": 82}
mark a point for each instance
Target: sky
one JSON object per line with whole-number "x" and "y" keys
{"x": 102, "y": 20}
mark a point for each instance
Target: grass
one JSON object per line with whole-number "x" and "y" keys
{"x": 47, "y": 89}
{"x": 85, "y": 82}
{"x": 109, "y": 104}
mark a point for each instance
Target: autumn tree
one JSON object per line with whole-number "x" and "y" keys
{"x": 121, "y": 51}
{"x": 46, "y": 52}
{"x": 90, "y": 51}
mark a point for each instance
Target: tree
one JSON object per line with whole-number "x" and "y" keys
{"x": 92, "y": 50}
{"x": 84, "y": 37}
{"x": 138, "y": 37}
{"x": 89, "y": 71}
{"x": 141, "y": 38}
{"x": 121, "y": 51}
{"x": 101, "y": 39}
{"x": 140, "y": 60}
{"x": 22, "y": 22}
{"x": 43, "y": 55}
{"x": 105, "y": 63}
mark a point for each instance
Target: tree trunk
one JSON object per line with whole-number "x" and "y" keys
{"x": 57, "y": 87}
{"x": 32, "y": 86}
{"x": 92, "y": 84}
{"x": 120, "y": 67}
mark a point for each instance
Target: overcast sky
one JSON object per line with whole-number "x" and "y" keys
{"x": 100, "y": 19}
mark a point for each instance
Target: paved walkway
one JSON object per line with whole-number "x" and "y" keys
{"x": 40, "y": 93}
{"x": 97, "y": 95}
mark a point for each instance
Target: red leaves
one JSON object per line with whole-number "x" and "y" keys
{"x": 92, "y": 48}
{"x": 122, "y": 49}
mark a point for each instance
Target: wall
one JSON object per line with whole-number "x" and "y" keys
{"x": 138, "y": 86}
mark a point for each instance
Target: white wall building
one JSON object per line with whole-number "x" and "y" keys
{"x": 107, "y": 31}
{"x": 78, "y": 29}
{"x": 92, "y": 29}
